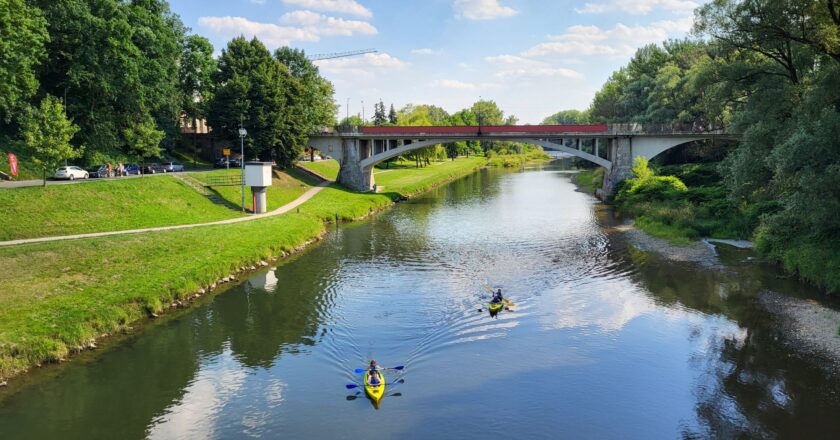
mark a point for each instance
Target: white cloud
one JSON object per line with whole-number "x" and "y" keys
{"x": 324, "y": 25}
{"x": 482, "y": 9}
{"x": 638, "y": 7}
{"x": 350, "y": 7}
{"x": 270, "y": 34}
{"x": 299, "y": 26}
{"x": 512, "y": 66}
{"x": 619, "y": 41}
{"x": 426, "y": 51}
{"x": 453, "y": 84}
{"x": 258, "y": 2}
{"x": 364, "y": 67}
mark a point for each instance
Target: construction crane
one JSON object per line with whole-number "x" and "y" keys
{"x": 329, "y": 56}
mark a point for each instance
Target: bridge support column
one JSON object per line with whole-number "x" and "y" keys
{"x": 351, "y": 174}
{"x": 621, "y": 155}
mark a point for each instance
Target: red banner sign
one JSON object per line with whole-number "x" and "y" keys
{"x": 13, "y": 166}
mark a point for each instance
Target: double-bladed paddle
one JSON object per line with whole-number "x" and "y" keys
{"x": 350, "y": 386}
{"x": 362, "y": 370}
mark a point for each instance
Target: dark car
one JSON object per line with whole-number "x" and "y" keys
{"x": 152, "y": 168}
{"x": 97, "y": 172}
{"x": 222, "y": 162}
{"x": 132, "y": 170}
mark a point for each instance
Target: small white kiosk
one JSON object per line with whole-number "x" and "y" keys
{"x": 258, "y": 177}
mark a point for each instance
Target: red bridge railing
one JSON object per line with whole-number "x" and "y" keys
{"x": 596, "y": 128}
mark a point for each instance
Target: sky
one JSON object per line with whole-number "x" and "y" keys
{"x": 533, "y": 57}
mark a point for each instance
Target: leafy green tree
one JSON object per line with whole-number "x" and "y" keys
{"x": 251, "y": 93}
{"x": 352, "y": 121}
{"x": 196, "y": 69}
{"x": 23, "y": 33}
{"x": 113, "y": 62}
{"x": 318, "y": 106}
{"x": 565, "y": 117}
{"x": 47, "y": 134}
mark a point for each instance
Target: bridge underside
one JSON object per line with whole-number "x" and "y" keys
{"x": 358, "y": 153}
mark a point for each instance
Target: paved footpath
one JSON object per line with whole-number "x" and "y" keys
{"x": 281, "y": 210}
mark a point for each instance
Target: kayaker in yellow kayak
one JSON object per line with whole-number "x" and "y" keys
{"x": 497, "y": 297}
{"x": 374, "y": 378}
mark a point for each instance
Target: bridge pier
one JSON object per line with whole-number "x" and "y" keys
{"x": 620, "y": 153}
{"x": 350, "y": 173}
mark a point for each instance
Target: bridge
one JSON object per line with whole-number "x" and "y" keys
{"x": 612, "y": 146}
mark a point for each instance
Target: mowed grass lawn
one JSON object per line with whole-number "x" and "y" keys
{"x": 407, "y": 181}
{"x": 58, "y": 296}
{"x": 107, "y": 205}
{"x": 286, "y": 186}
{"x": 326, "y": 168}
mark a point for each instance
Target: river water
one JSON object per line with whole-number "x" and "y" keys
{"x": 604, "y": 341}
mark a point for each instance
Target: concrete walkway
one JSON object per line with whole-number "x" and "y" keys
{"x": 281, "y": 210}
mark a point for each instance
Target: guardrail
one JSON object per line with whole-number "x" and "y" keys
{"x": 221, "y": 180}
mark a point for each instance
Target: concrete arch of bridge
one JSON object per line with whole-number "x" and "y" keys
{"x": 370, "y": 162}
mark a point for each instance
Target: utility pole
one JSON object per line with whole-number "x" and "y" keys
{"x": 363, "y": 111}
{"x": 242, "y": 134}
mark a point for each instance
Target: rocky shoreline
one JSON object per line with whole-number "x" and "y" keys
{"x": 808, "y": 326}
{"x": 700, "y": 252}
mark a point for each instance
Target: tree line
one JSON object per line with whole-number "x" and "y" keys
{"x": 770, "y": 71}
{"x": 115, "y": 80}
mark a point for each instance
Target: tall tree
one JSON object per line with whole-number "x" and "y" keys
{"x": 317, "y": 101}
{"x": 114, "y": 61}
{"x": 47, "y": 134}
{"x": 392, "y": 115}
{"x": 379, "y": 116}
{"x": 196, "y": 69}
{"x": 250, "y": 93}
{"x": 23, "y": 33}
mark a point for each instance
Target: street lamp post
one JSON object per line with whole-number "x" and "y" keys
{"x": 242, "y": 134}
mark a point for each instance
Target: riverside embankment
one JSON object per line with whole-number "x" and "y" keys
{"x": 59, "y": 298}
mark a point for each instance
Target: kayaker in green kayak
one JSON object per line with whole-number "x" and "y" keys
{"x": 374, "y": 378}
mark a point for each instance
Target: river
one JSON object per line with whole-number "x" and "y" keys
{"x": 604, "y": 341}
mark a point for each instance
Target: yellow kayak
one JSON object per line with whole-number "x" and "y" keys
{"x": 375, "y": 392}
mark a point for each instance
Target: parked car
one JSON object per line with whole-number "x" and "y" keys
{"x": 132, "y": 170}
{"x": 71, "y": 173}
{"x": 222, "y": 162}
{"x": 152, "y": 168}
{"x": 96, "y": 172}
{"x": 172, "y": 167}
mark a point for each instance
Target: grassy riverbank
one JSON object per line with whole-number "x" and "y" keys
{"x": 685, "y": 202}
{"x": 59, "y": 297}
{"x": 286, "y": 186}
{"x": 106, "y": 205}
{"x": 516, "y": 160}
{"x": 590, "y": 180}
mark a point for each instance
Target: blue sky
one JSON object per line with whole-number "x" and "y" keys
{"x": 533, "y": 57}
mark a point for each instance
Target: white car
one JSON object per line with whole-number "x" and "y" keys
{"x": 71, "y": 173}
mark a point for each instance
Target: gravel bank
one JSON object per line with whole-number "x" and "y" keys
{"x": 701, "y": 253}
{"x": 807, "y": 324}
